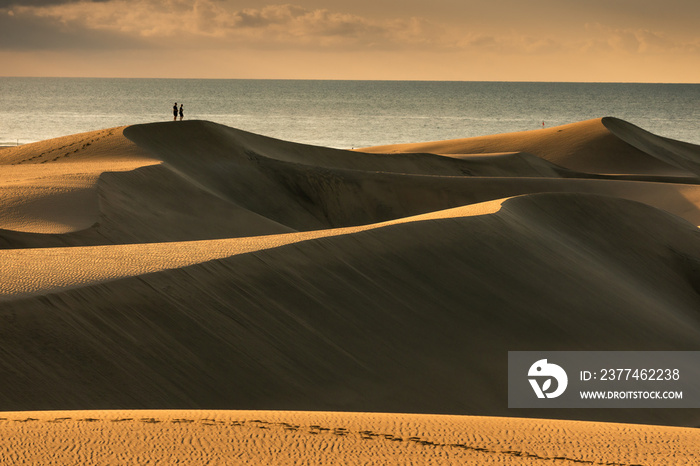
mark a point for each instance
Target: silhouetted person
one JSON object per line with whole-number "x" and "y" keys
{"x": 175, "y": 111}
{"x": 182, "y": 112}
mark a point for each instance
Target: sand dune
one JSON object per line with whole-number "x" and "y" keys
{"x": 30, "y": 272}
{"x": 678, "y": 153}
{"x": 321, "y": 438}
{"x": 589, "y": 146}
{"x": 55, "y": 198}
{"x": 348, "y": 322}
{"x": 147, "y": 190}
{"x": 190, "y": 265}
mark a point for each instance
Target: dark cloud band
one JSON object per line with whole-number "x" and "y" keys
{"x": 27, "y": 33}
{"x": 11, "y": 3}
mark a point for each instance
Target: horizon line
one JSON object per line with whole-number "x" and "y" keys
{"x": 355, "y": 80}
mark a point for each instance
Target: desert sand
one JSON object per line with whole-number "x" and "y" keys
{"x": 188, "y": 265}
{"x": 312, "y": 438}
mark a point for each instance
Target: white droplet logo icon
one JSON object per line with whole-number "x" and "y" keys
{"x": 542, "y": 370}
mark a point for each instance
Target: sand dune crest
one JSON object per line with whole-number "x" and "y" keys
{"x": 588, "y": 146}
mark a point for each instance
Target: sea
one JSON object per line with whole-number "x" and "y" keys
{"x": 340, "y": 114}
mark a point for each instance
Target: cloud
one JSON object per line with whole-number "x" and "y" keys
{"x": 219, "y": 24}
{"x": 21, "y": 31}
{"x": 11, "y": 3}
{"x": 223, "y": 24}
{"x": 211, "y": 22}
{"x": 636, "y": 41}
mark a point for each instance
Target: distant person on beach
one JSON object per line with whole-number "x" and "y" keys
{"x": 175, "y": 111}
{"x": 182, "y": 112}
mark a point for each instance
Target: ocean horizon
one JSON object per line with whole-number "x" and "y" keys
{"x": 340, "y": 114}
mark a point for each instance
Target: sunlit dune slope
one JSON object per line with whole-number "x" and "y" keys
{"x": 602, "y": 145}
{"x": 51, "y": 187}
{"x": 43, "y": 270}
{"x": 330, "y": 438}
{"x": 106, "y": 190}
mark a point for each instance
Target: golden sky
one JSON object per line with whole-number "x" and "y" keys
{"x": 464, "y": 40}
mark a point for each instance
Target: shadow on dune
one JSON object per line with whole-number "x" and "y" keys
{"x": 415, "y": 317}
{"x": 680, "y": 154}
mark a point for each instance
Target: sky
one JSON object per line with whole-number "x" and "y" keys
{"x": 458, "y": 40}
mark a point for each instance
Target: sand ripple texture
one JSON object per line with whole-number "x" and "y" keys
{"x": 35, "y": 271}
{"x": 319, "y": 438}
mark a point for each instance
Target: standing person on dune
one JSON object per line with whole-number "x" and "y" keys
{"x": 175, "y": 111}
{"x": 182, "y": 113}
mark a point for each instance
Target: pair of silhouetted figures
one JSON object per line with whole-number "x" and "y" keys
{"x": 175, "y": 112}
